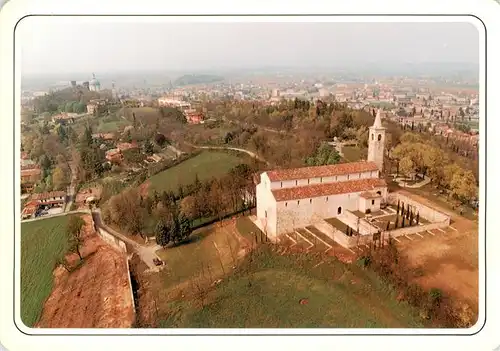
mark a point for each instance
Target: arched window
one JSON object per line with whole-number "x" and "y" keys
{"x": 379, "y": 137}
{"x": 298, "y": 202}
{"x": 282, "y": 184}
{"x": 339, "y": 210}
{"x": 286, "y": 204}
{"x": 379, "y": 192}
{"x": 310, "y": 201}
{"x": 327, "y": 199}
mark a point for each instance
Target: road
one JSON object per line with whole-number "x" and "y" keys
{"x": 55, "y": 215}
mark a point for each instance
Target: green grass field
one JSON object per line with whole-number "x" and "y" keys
{"x": 112, "y": 126}
{"x": 206, "y": 165}
{"x": 42, "y": 243}
{"x": 353, "y": 153}
{"x": 266, "y": 292}
{"x": 208, "y": 250}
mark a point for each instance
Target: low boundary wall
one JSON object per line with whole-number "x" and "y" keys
{"x": 417, "y": 229}
{"x": 365, "y": 228}
{"x": 339, "y": 237}
{"x": 430, "y": 214}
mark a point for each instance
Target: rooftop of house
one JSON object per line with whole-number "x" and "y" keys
{"x": 105, "y": 136}
{"x": 31, "y": 171}
{"x": 321, "y": 171}
{"x": 112, "y": 152}
{"x": 126, "y": 146}
{"x": 30, "y": 208}
{"x": 325, "y": 189}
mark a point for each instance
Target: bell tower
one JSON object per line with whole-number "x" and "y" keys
{"x": 376, "y": 142}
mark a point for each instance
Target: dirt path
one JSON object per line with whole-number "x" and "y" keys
{"x": 146, "y": 252}
{"x": 95, "y": 295}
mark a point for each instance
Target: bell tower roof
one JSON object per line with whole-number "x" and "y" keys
{"x": 378, "y": 120}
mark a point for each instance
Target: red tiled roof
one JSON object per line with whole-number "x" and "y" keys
{"x": 126, "y": 146}
{"x": 321, "y": 171}
{"x": 30, "y": 207}
{"x": 316, "y": 190}
{"x": 30, "y": 172}
{"x": 43, "y": 196}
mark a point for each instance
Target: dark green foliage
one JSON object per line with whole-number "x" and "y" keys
{"x": 324, "y": 155}
{"x": 148, "y": 148}
{"x": 435, "y": 296}
{"x": 162, "y": 233}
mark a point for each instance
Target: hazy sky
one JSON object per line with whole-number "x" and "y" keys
{"x": 65, "y": 45}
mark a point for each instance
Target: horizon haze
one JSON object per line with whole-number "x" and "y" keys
{"x": 56, "y": 46}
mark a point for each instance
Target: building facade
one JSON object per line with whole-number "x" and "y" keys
{"x": 288, "y": 199}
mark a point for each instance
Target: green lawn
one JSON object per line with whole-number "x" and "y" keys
{"x": 112, "y": 126}
{"x": 353, "y": 153}
{"x": 42, "y": 243}
{"x": 207, "y": 252}
{"x": 266, "y": 292}
{"x": 206, "y": 165}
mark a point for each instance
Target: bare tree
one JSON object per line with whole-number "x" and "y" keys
{"x": 74, "y": 231}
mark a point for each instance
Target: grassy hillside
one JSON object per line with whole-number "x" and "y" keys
{"x": 293, "y": 291}
{"x": 269, "y": 289}
{"x": 42, "y": 243}
{"x": 206, "y": 165}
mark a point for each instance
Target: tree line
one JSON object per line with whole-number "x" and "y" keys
{"x": 414, "y": 156}
{"x": 171, "y": 215}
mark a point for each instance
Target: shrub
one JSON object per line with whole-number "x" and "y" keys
{"x": 364, "y": 261}
{"x": 435, "y": 296}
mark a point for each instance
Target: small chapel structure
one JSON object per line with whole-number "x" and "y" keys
{"x": 288, "y": 199}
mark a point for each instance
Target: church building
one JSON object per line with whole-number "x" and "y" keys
{"x": 288, "y": 199}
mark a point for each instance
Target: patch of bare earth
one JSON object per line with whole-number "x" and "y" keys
{"x": 94, "y": 295}
{"x": 449, "y": 260}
